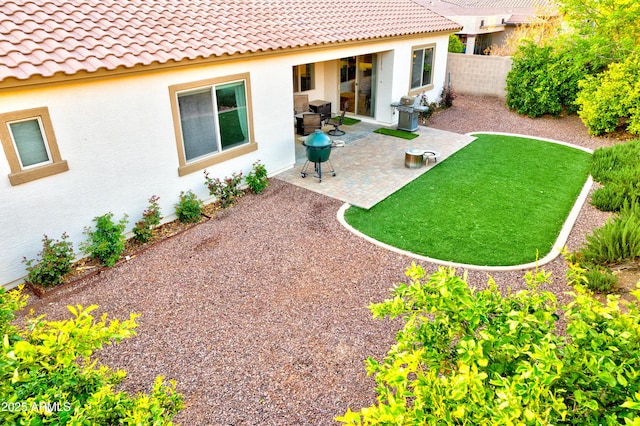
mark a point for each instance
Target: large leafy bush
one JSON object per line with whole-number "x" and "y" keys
{"x": 483, "y": 358}
{"x": 546, "y": 73}
{"x": 544, "y": 80}
{"x": 48, "y": 374}
{"x": 611, "y": 100}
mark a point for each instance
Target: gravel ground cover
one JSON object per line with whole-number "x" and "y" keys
{"x": 261, "y": 313}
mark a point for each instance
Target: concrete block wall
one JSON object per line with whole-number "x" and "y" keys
{"x": 478, "y": 75}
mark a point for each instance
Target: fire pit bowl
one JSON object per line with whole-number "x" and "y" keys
{"x": 413, "y": 158}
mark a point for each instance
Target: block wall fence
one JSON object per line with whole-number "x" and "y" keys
{"x": 478, "y": 75}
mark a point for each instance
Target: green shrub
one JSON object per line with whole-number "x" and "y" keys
{"x": 600, "y": 279}
{"x": 455, "y": 45}
{"x": 483, "y": 358}
{"x": 611, "y": 198}
{"x": 618, "y": 240}
{"x": 225, "y": 191}
{"x": 48, "y": 374}
{"x": 257, "y": 178}
{"x": 611, "y": 100}
{"x": 544, "y": 80}
{"x": 143, "y": 231}
{"x": 107, "y": 241}
{"x": 53, "y": 262}
{"x": 189, "y": 208}
{"x": 529, "y": 88}
{"x": 618, "y": 169}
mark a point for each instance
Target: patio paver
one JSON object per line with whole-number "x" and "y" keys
{"x": 370, "y": 166}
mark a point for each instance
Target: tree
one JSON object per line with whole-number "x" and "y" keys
{"x": 455, "y": 45}
{"x": 543, "y": 27}
{"x": 613, "y": 23}
{"x": 599, "y": 33}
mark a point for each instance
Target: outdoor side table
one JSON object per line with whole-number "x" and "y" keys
{"x": 322, "y": 107}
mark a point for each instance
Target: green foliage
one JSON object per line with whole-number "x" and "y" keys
{"x": 10, "y": 303}
{"x": 455, "y": 45}
{"x": 544, "y": 80}
{"x": 143, "y": 231}
{"x": 48, "y": 375}
{"x": 482, "y": 358}
{"x": 611, "y": 23}
{"x": 600, "y": 279}
{"x": 257, "y": 178}
{"x": 611, "y": 100}
{"x": 54, "y": 261}
{"x": 616, "y": 163}
{"x": 107, "y": 241}
{"x": 618, "y": 169}
{"x": 611, "y": 198}
{"x": 618, "y": 240}
{"x": 189, "y": 208}
{"x": 225, "y": 191}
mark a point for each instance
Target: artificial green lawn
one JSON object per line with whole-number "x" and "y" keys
{"x": 396, "y": 133}
{"x": 501, "y": 200}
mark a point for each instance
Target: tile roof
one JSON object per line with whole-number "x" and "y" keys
{"x": 46, "y": 37}
{"x": 493, "y": 4}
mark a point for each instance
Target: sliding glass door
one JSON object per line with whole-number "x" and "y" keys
{"x": 357, "y": 84}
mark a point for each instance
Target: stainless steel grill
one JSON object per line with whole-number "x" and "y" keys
{"x": 409, "y": 110}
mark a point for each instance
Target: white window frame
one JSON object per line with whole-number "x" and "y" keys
{"x": 44, "y": 140}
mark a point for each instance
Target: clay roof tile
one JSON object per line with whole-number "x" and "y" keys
{"x": 42, "y": 37}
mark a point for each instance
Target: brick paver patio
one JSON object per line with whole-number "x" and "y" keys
{"x": 371, "y": 166}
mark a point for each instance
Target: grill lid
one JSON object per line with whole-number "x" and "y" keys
{"x": 317, "y": 139}
{"x": 408, "y": 100}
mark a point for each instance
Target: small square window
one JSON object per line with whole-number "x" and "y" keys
{"x": 212, "y": 120}
{"x": 30, "y": 145}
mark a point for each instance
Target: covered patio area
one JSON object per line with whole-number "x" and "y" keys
{"x": 371, "y": 166}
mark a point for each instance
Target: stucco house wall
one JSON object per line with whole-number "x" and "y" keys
{"x": 117, "y": 134}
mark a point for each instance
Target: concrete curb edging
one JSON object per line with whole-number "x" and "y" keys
{"x": 553, "y": 254}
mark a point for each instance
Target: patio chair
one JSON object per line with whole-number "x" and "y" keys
{"x": 337, "y": 122}
{"x": 300, "y": 104}
{"x": 310, "y": 122}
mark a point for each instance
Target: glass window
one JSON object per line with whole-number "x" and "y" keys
{"x": 197, "y": 124}
{"x": 213, "y": 122}
{"x": 30, "y": 145}
{"x": 210, "y": 126}
{"x": 422, "y": 67}
{"x": 304, "y": 78}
